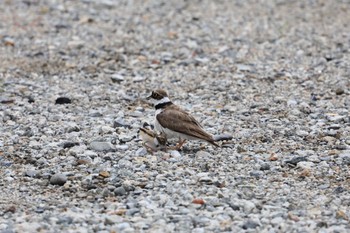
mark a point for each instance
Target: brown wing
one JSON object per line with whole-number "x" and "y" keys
{"x": 182, "y": 122}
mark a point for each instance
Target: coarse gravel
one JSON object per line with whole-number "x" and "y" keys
{"x": 74, "y": 77}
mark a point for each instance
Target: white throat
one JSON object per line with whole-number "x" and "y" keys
{"x": 162, "y": 101}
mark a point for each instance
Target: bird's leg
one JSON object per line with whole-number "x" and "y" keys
{"x": 148, "y": 148}
{"x": 180, "y": 144}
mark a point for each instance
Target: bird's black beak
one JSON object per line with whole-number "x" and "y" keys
{"x": 149, "y": 97}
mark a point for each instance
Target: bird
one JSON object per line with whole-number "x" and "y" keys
{"x": 174, "y": 122}
{"x": 151, "y": 140}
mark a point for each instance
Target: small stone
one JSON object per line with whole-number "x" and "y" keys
{"x": 32, "y": 173}
{"x": 341, "y": 214}
{"x": 305, "y": 165}
{"x": 294, "y": 161}
{"x": 339, "y": 91}
{"x": 136, "y": 114}
{"x": 122, "y": 227}
{"x": 125, "y": 137}
{"x": 175, "y": 154}
{"x": 112, "y": 219}
{"x": 305, "y": 173}
{"x": 132, "y": 211}
{"x": 141, "y": 152}
{"x": 63, "y": 100}
{"x": 120, "y": 191}
{"x": 8, "y": 41}
{"x": 138, "y": 79}
{"x": 39, "y": 210}
{"x": 72, "y": 127}
{"x": 323, "y": 186}
{"x": 302, "y": 133}
{"x": 66, "y": 145}
{"x": 265, "y": 167}
{"x": 202, "y": 155}
{"x": 305, "y": 108}
{"x": 335, "y": 118}
{"x": 90, "y": 154}
{"x": 104, "y": 174}
{"x": 117, "y": 78}
{"x": 256, "y": 174}
{"x": 339, "y": 189}
{"x": 83, "y": 161}
{"x": 248, "y": 206}
{"x": 292, "y": 103}
{"x": 203, "y": 177}
{"x": 64, "y": 220}
{"x": 58, "y": 179}
{"x": 102, "y": 146}
{"x": 273, "y": 157}
{"x": 106, "y": 129}
{"x": 119, "y": 122}
{"x": 5, "y": 100}
{"x": 293, "y": 217}
{"x": 276, "y": 221}
{"x": 122, "y": 147}
{"x": 250, "y": 224}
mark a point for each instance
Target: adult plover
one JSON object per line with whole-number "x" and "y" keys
{"x": 174, "y": 122}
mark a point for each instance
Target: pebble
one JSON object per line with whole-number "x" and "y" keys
{"x": 339, "y": 91}
{"x": 120, "y": 191}
{"x": 250, "y": 224}
{"x": 119, "y": 122}
{"x": 102, "y": 146}
{"x": 141, "y": 151}
{"x": 265, "y": 167}
{"x": 305, "y": 165}
{"x": 125, "y": 137}
{"x": 58, "y": 179}
{"x": 175, "y": 154}
{"x": 283, "y": 100}
{"x": 66, "y": 145}
{"x": 117, "y": 78}
{"x": 63, "y": 100}
{"x": 122, "y": 147}
{"x": 112, "y": 219}
{"x": 32, "y": 173}
{"x": 202, "y": 155}
{"x": 294, "y": 161}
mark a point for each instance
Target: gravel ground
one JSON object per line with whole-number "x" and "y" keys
{"x": 74, "y": 77}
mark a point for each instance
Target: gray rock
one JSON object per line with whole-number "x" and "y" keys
{"x": 302, "y": 133}
{"x": 58, "y": 179}
{"x": 305, "y": 165}
{"x": 250, "y": 224}
{"x": 120, "y": 191}
{"x": 102, "y": 146}
{"x": 202, "y": 155}
{"x": 141, "y": 152}
{"x": 119, "y": 122}
{"x": 265, "y": 167}
{"x": 32, "y": 173}
{"x": 122, "y": 147}
{"x": 113, "y": 219}
{"x": 175, "y": 154}
{"x": 294, "y": 161}
{"x": 256, "y": 174}
{"x": 126, "y": 137}
{"x": 131, "y": 212}
{"x": 117, "y": 78}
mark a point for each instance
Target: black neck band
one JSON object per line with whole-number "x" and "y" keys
{"x": 163, "y": 105}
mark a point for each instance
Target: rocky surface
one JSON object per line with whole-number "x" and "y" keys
{"x": 74, "y": 77}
